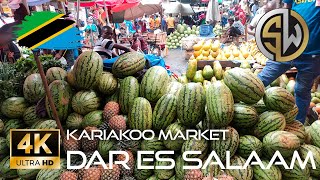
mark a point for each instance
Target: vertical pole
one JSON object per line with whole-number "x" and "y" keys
{"x": 48, "y": 93}
{"x": 106, "y": 11}
{"x": 78, "y": 12}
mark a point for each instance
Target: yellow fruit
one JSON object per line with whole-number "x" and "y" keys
{"x": 201, "y": 42}
{"x": 197, "y": 53}
{"x": 205, "y": 58}
{"x": 219, "y": 57}
{"x": 245, "y": 54}
{"x": 197, "y": 47}
{"x": 214, "y": 54}
{"x": 236, "y": 53}
{"x": 210, "y": 57}
{"x": 206, "y": 53}
{"x": 214, "y": 47}
{"x": 227, "y": 54}
{"x": 200, "y": 57}
{"x": 192, "y": 57}
{"x": 206, "y": 46}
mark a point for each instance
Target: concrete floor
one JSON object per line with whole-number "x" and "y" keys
{"x": 176, "y": 61}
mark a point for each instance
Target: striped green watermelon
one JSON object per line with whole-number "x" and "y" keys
{"x": 142, "y": 174}
{"x": 84, "y": 102}
{"x": 33, "y": 89}
{"x": 114, "y": 97}
{"x": 140, "y": 115}
{"x": 273, "y": 173}
{"x": 1, "y": 126}
{"x": 247, "y": 144}
{"x": 71, "y": 79}
{"x": 284, "y": 142}
{"x": 314, "y": 133}
{"x": 220, "y": 104}
{"x": 30, "y": 116}
{"x": 307, "y": 138}
{"x": 34, "y": 125}
{"x": 178, "y": 142}
{"x": 291, "y": 115}
{"x": 297, "y": 128}
{"x": 5, "y": 170}
{"x": 4, "y": 149}
{"x": 28, "y": 173}
{"x": 13, "y": 124}
{"x": 244, "y": 116}
{"x": 303, "y": 151}
{"x": 152, "y": 178}
{"x": 173, "y": 177}
{"x": 152, "y": 145}
{"x": 104, "y": 147}
{"x": 240, "y": 174}
{"x": 260, "y": 107}
{"x": 164, "y": 112}
{"x": 74, "y": 121}
{"x": 94, "y": 118}
{"x": 297, "y": 173}
{"x": 211, "y": 169}
{"x": 191, "y": 104}
{"x": 47, "y": 124}
{"x": 52, "y": 174}
{"x": 195, "y": 145}
{"x": 128, "y": 64}
{"x": 230, "y": 143}
{"x": 87, "y": 69}
{"x": 8, "y": 139}
{"x": 14, "y": 107}
{"x": 129, "y": 90}
{"x": 163, "y": 173}
{"x": 62, "y": 94}
{"x": 245, "y": 86}
{"x": 56, "y": 73}
{"x": 279, "y": 99}
{"x": 269, "y": 121}
{"x": 174, "y": 88}
{"x": 206, "y": 123}
{"x": 154, "y": 83}
{"x": 180, "y": 163}
{"x": 107, "y": 83}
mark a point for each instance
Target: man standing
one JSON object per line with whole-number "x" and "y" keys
{"x": 170, "y": 24}
{"x": 308, "y": 64}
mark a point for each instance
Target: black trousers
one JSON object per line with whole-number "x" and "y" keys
{"x": 234, "y": 31}
{"x": 170, "y": 30}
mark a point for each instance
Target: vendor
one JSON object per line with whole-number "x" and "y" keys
{"x": 9, "y": 52}
{"x": 139, "y": 43}
{"x": 105, "y": 45}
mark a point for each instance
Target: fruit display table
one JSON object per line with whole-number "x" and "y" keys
{"x": 224, "y": 63}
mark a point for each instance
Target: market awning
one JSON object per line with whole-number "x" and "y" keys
{"x": 36, "y": 2}
{"x": 107, "y": 2}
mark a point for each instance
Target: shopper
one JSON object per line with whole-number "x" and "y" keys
{"x": 9, "y": 52}
{"x": 308, "y": 64}
{"x": 164, "y": 23}
{"x": 151, "y": 23}
{"x": 157, "y": 22}
{"x": 255, "y": 7}
{"x": 170, "y": 24}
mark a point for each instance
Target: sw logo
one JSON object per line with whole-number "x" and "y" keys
{"x": 34, "y": 149}
{"x": 282, "y": 35}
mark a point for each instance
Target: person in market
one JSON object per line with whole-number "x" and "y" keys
{"x": 164, "y": 23}
{"x": 139, "y": 44}
{"x": 151, "y": 23}
{"x": 170, "y": 24}
{"x": 157, "y": 22}
{"x": 255, "y": 7}
{"x": 308, "y": 64}
{"x": 105, "y": 45}
{"x": 91, "y": 32}
{"x": 236, "y": 28}
{"x": 9, "y": 51}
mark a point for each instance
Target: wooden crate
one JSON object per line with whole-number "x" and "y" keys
{"x": 224, "y": 63}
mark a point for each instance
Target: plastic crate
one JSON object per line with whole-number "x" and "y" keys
{"x": 206, "y": 30}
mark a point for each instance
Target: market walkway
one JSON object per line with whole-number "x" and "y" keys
{"x": 176, "y": 61}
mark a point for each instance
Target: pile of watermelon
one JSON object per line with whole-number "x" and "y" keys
{"x": 258, "y": 119}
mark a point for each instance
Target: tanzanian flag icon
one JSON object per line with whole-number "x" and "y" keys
{"x": 48, "y": 30}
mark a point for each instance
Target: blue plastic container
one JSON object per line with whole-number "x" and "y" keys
{"x": 206, "y": 30}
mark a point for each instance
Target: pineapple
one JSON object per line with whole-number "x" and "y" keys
{"x": 128, "y": 178}
{"x": 92, "y": 173}
{"x": 110, "y": 109}
{"x": 193, "y": 174}
{"x": 117, "y": 123}
{"x": 104, "y": 126}
{"x": 134, "y": 146}
{"x": 68, "y": 175}
{"x": 89, "y": 145}
{"x": 131, "y": 162}
{"x": 111, "y": 174}
{"x": 72, "y": 144}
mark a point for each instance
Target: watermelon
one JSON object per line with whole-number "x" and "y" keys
{"x": 244, "y": 116}
{"x": 291, "y": 115}
{"x": 5, "y": 170}
{"x": 195, "y": 145}
{"x": 180, "y": 163}
{"x": 273, "y": 173}
{"x": 4, "y": 149}
{"x": 34, "y": 125}
{"x": 14, "y": 107}
{"x": 290, "y": 86}
{"x": 297, "y": 128}
{"x": 114, "y": 97}
{"x": 240, "y": 174}
{"x": 152, "y": 145}
{"x": 247, "y": 144}
{"x": 87, "y": 69}
{"x": 245, "y": 86}
{"x": 104, "y": 147}
{"x": 13, "y": 124}
{"x": 314, "y": 133}
{"x": 107, "y": 83}
{"x": 84, "y": 102}
{"x": 260, "y": 107}
{"x": 307, "y": 139}
{"x": 230, "y": 143}
{"x": 297, "y": 173}
{"x": 62, "y": 94}
{"x": 206, "y": 123}
{"x": 142, "y": 174}
{"x": 28, "y": 173}
{"x": 94, "y": 118}
{"x": 33, "y": 89}
{"x": 178, "y": 142}
{"x": 56, "y": 73}
{"x": 303, "y": 151}
{"x": 71, "y": 78}
{"x": 48, "y": 124}
{"x": 140, "y": 115}
{"x": 152, "y": 178}
{"x": 164, "y": 112}
{"x": 279, "y": 99}
{"x": 74, "y": 121}
{"x": 1, "y": 126}
{"x": 30, "y": 116}
{"x": 211, "y": 169}
{"x": 128, "y": 64}
{"x": 163, "y": 173}
{"x": 220, "y": 104}
{"x": 174, "y": 88}
{"x": 191, "y": 104}
{"x": 129, "y": 90}
{"x": 284, "y": 142}
{"x": 269, "y": 121}
{"x": 52, "y": 174}
{"x": 154, "y": 83}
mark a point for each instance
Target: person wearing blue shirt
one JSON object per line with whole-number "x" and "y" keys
{"x": 308, "y": 64}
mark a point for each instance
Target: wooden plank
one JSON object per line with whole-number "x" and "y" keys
{"x": 224, "y": 63}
